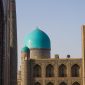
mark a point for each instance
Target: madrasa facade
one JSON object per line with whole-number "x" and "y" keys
{"x": 38, "y": 68}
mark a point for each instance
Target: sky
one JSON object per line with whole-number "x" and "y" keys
{"x": 60, "y": 19}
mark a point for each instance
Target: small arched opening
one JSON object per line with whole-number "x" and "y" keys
{"x": 75, "y": 71}
{"x": 50, "y": 83}
{"x": 62, "y": 71}
{"x": 49, "y": 71}
{"x": 37, "y": 71}
{"x": 75, "y": 83}
{"x": 37, "y": 83}
{"x": 62, "y": 83}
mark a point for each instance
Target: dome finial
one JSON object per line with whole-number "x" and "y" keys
{"x": 37, "y": 27}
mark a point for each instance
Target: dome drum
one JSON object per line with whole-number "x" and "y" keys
{"x": 39, "y": 53}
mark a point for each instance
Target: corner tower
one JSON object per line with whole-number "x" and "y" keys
{"x": 83, "y": 52}
{"x": 25, "y": 67}
{"x": 39, "y": 44}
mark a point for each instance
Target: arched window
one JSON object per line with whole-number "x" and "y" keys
{"x": 37, "y": 71}
{"x": 75, "y": 70}
{"x": 37, "y": 83}
{"x": 49, "y": 71}
{"x": 63, "y": 83}
{"x": 62, "y": 71}
{"x": 50, "y": 83}
{"x": 76, "y": 83}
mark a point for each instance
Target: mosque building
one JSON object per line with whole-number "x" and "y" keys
{"x": 38, "y": 68}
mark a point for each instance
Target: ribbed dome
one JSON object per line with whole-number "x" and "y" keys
{"x": 37, "y": 39}
{"x": 25, "y": 49}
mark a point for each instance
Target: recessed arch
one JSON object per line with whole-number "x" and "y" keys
{"x": 75, "y": 70}
{"x": 37, "y": 71}
{"x": 75, "y": 83}
{"x": 62, "y": 83}
{"x": 37, "y": 83}
{"x": 62, "y": 70}
{"x": 50, "y": 83}
{"x": 49, "y": 71}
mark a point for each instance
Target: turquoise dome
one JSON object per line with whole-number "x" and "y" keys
{"x": 25, "y": 49}
{"x": 37, "y": 39}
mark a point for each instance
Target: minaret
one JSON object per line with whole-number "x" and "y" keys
{"x": 25, "y": 55}
{"x": 1, "y": 40}
{"x": 8, "y": 43}
{"x": 83, "y": 52}
{"x": 13, "y": 43}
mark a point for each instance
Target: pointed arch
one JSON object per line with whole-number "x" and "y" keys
{"x": 37, "y": 71}
{"x": 50, "y": 83}
{"x": 75, "y": 83}
{"x": 75, "y": 70}
{"x": 62, "y": 70}
{"x": 37, "y": 83}
{"x": 62, "y": 83}
{"x": 49, "y": 71}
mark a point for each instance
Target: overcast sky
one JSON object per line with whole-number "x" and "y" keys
{"x": 60, "y": 19}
